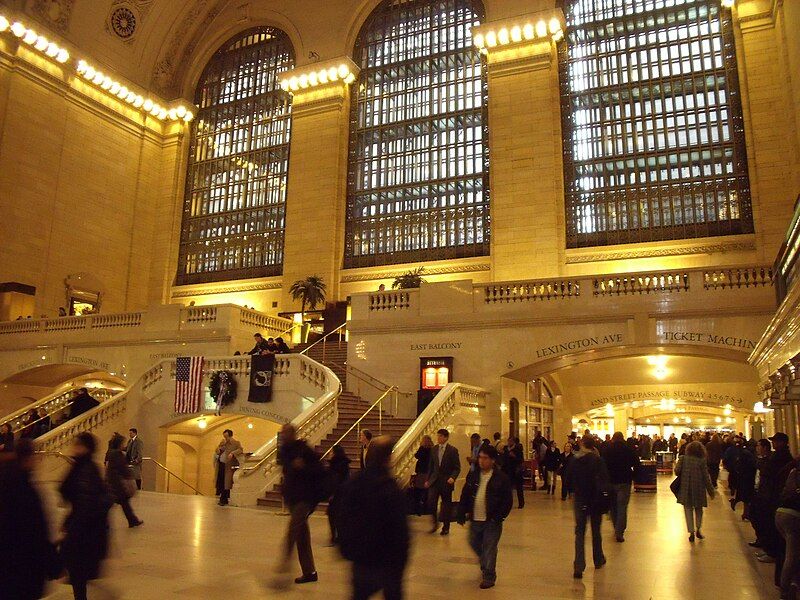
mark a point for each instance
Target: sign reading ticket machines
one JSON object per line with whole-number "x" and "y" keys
{"x": 261, "y": 377}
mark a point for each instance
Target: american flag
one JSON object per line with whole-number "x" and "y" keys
{"x": 188, "y": 384}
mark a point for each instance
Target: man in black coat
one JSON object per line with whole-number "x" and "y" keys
{"x": 621, "y": 462}
{"x": 442, "y": 474}
{"x": 82, "y": 403}
{"x": 486, "y": 501}
{"x": 372, "y": 526}
{"x": 31, "y": 558}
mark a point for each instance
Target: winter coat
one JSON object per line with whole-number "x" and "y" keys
{"x": 621, "y": 462}
{"x": 117, "y": 471}
{"x": 303, "y": 473}
{"x": 499, "y": 496}
{"x": 696, "y": 483}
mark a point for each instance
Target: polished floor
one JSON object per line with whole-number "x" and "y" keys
{"x": 191, "y": 548}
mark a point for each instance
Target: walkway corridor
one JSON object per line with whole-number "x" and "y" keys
{"x": 191, "y": 548}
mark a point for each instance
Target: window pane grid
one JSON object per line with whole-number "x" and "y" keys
{"x": 418, "y": 163}
{"x": 653, "y": 131}
{"x": 234, "y": 207}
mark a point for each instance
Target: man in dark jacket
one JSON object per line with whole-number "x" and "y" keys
{"x": 373, "y": 528}
{"x": 714, "y": 456}
{"x": 621, "y": 462}
{"x": 486, "y": 501}
{"x": 442, "y": 474}
{"x": 260, "y": 346}
{"x": 303, "y": 477}
{"x": 587, "y": 476}
{"x": 81, "y": 403}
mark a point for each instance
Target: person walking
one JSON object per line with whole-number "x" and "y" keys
{"x": 373, "y": 527}
{"x": 552, "y": 460}
{"x": 229, "y": 451}
{"x": 338, "y": 474}
{"x": 421, "y": 468}
{"x": 301, "y": 488}
{"x": 474, "y": 446}
{"x": 120, "y": 479}
{"x": 787, "y": 521}
{"x": 43, "y": 425}
{"x": 81, "y": 403}
{"x": 695, "y": 487}
{"x": 746, "y": 469}
{"x": 6, "y": 438}
{"x": 621, "y": 462}
{"x": 135, "y": 455}
{"x": 512, "y": 467}
{"x": 566, "y": 459}
{"x": 443, "y": 471}
{"x": 588, "y": 478}
{"x": 31, "y": 558}
{"x": 486, "y": 501}
{"x": 85, "y": 542}
{"x": 714, "y": 451}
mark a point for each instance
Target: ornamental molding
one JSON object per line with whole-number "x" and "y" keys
{"x": 55, "y": 13}
{"x": 474, "y": 268}
{"x": 230, "y": 289}
{"x": 656, "y": 252}
{"x": 757, "y": 21}
{"x": 541, "y": 60}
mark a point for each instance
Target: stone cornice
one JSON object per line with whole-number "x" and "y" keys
{"x": 444, "y": 270}
{"x": 756, "y": 21}
{"x": 577, "y": 256}
{"x": 229, "y": 288}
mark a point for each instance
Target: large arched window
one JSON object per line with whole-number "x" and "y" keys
{"x": 418, "y": 166}
{"x": 233, "y": 215}
{"x": 654, "y": 143}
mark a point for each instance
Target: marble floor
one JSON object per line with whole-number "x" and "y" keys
{"x": 191, "y": 548}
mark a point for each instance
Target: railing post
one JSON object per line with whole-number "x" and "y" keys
{"x": 380, "y": 417}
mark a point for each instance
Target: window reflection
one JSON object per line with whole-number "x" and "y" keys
{"x": 233, "y": 217}
{"x": 654, "y": 139}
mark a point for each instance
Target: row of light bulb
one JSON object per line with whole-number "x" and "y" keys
{"x": 115, "y": 88}
{"x": 315, "y": 78}
{"x": 31, "y": 38}
{"x": 518, "y": 33}
{"x": 93, "y": 75}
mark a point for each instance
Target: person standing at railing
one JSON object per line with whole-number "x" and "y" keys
{"x": 261, "y": 344}
{"x": 81, "y": 403}
{"x": 6, "y": 438}
{"x": 134, "y": 452}
{"x": 445, "y": 465}
{"x": 281, "y": 347}
{"x": 29, "y": 431}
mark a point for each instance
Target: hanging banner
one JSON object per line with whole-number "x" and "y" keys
{"x": 261, "y": 377}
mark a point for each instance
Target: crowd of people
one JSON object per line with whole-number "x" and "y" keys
{"x": 267, "y": 346}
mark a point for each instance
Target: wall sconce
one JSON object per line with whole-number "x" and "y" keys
{"x": 548, "y": 25}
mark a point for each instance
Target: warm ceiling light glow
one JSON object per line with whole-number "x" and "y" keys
{"x": 674, "y": 419}
{"x": 202, "y": 423}
{"x": 528, "y": 31}
{"x": 18, "y": 29}
{"x": 541, "y": 29}
{"x": 323, "y": 76}
{"x": 249, "y": 425}
{"x": 138, "y": 101}
{"x": 718, "y": 419}
{"x": 148, "y": 105}
{"x": 503, "y": 37}
{"x": 107, "y": 82}
{"x": 52, "y": 50}
{"x": 491, "y": 39}
{"x": 727, "y": 412}
{"x": 4, "y": 24}
{"x": 180, "y": 111}
{"x": 62, "y": 56}
{"x": 660, "y": 373}
{"x": 189, "y": 116}
{"x": 333, "y": 74}
{"x": 516, "y": 33}
{"x": 728, "y": 3}
{"x": 115, "y": 87}
{"x": 41, "y": 43}
{"x": 554, "y": 26}
{"x": 503, "y": 407}
{"x": 303, "y": 80}
{"x": 344, "y": 71}
{"x": 313, "y": 80}
{"x": 30, "y": 36}
{"x": 658, "y": 360}
{"x": 479, "y": 40}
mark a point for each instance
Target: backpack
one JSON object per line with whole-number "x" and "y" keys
{"x": 603, "y": 492}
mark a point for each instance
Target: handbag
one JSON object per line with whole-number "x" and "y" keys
{"x": 675, "y": 486}
{"x": 129, "y": 488}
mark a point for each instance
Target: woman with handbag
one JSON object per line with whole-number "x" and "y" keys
{"x": 119, "y": 479}
{"x": 694, "y": 486}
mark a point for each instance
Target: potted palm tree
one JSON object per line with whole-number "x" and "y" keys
{"x": 311, "y": 292}
{"x": 409, "y": 279}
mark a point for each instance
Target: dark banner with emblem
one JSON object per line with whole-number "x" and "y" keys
{"x": 261, "y": 377}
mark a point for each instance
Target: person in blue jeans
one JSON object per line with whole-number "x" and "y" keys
{"x": 486, "y": 501}
{"x": 622, "y": 463}
{"x": 585, "y": 475}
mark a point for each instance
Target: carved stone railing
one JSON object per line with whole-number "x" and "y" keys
{"x": 453, "y": 398}
{"x": 200, "y": 314}
{"x": 641, "y": 283}
{"x": 528, "y": 291}
{"x": 274, "y": 325}
{"x": 54, "y": 403}
{"x": 390, "y": 300}
{"x": 739, "y": 277}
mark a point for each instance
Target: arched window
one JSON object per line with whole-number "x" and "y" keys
{"x": 654, "y": 144}
{"x": 418, "y": 166}
{"x": 233, "y": 214}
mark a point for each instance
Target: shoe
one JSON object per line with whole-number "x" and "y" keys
{"x": 485, "y": 585}
{"x": 620, "y": 538}
{"x": 136, "y": 524}
{"x": 765, "y": 558}
{"x": 755, "y": 544}
{"x": 733, "y": 503}
{"x": 434, "y": 529}
{"x": 601, "y": 564}
{"x": 445, "y": 531}
{"x": 310, "y": 578}
{"x": 691, "y": 537}
{"x": 221, "y": 503}
{"x": 577, "y": 575}
{"x": 700, "y": 536}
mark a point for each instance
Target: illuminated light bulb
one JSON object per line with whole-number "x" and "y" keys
{"x": 502, "y": 36}
{"x": 138, "y": 101}
{"x": 674, "y": 419}
{"x": 528, "y": 31}
{"x": 333, "y": 74}
{"x": 303, "y": 80}
{"x": 660, "y": 372}
{"x": 344, "y": 71}
{"x": 516, "y": 33}
{"x": 4, "y": 24}
{"x": 130, "y": 98}
{"x": 728, "y": 3}
{"x": 115, "y": 87}
{"x": 173, "y": 114}
{"x": 98, "y": 78}
{"x": 18, "y": 29}
{"x": 189, "y": 116}
{"x": 479, "y": 40}
{"x": 558, "y": 35}
{"x": 52, "y": 50}
{"x": 90, "y": 72}
{"x": 41, "y": 43}
{"x": 313, "y": 80}
{"x": 294, "y": 83}
{"x": 249, "y": 425}
{"x": 180, "y": 111}
{"x": 285, "y": 85}
{"x": 162, "y": 114}
{"x": 350, "y": 78}
{"x": 107, "y": 82}
{"x": 718, "y": 419}
{"x": 155, "y": 109}
{"x": 554, "y": 25}
{"x": 82, "y": 67}
{"x": 541, "y": 29}
{"x": 62, "y": 56}
{"x": 148, "y": 105}
{"x": 202, "y": 423}
{"x": 727, "y": 412}
{"x": 491, "y": 39}
{"x": 122, "y": 92}
{"x": 323, "y": 76}
{"x": 30, "y": 37}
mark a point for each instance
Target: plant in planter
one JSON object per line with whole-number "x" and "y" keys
{"x": 409, "y": 279}
{"x": 311, "y": 292}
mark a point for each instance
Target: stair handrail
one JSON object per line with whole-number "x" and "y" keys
{"x": 357, "y": 423}
{"x": 324, "y": 338}
{"x": 452, "y": 398}
{"x": 183, "y": 481}
{"x": 57, "y": 453}
{"x": 18, "y": 415}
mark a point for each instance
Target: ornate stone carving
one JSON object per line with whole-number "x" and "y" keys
{"x": 183, "y": 292}
{"x": 653, "y": 252}
{"x": 56, "y": 13}
{"x": 473, "y": 268}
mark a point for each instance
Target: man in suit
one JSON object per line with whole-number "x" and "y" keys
{"x": 442, "y": 474}
{"x": 365, "y": 440}
{"x": 135, "y": 454}
{"x": 81, "y": 403}
{"x": 230, "y": 450}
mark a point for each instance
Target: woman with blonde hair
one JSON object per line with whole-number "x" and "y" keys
{"x": 695, "y": 486}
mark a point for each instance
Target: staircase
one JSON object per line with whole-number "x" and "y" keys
{"x": 350, "y": 408}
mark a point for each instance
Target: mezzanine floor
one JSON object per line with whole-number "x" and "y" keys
{"x": 191, "y": 548}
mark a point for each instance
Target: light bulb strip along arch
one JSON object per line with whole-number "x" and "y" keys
{"x": 161, "y": 110}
